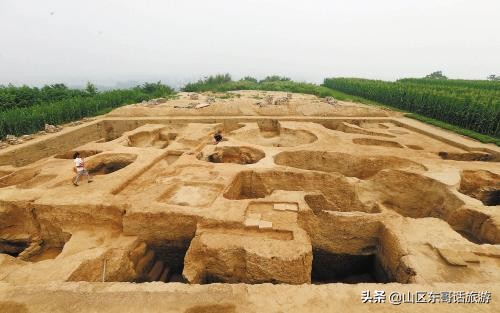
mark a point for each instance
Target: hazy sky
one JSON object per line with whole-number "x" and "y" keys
{"x": 109, "y": 41}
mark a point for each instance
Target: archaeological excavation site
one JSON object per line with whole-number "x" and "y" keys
{"x": 302, "y": 206}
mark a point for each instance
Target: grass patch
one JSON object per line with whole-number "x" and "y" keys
{"x": 465, "y": 132}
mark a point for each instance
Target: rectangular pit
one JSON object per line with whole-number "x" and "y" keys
{"x": 163, "y": 262}
{"x": 193, "y": 194}
{"x": 346, "y": 268}
{"x": 13, "y": 248}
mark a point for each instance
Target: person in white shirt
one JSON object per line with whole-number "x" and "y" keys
{"x": 80, "y": 169}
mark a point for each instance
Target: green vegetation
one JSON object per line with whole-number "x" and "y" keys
{"x": 275, "y": 78}
{"x": 250, "y": 79}
{"x": 458, "y": 130}
{"x": 90, "y": 88}
{"x": 467, "y": 107}
{"x": 493, "y": 77}
{"x": 452, "y": 83}
{"x": 436, "y": 75}
{"x": 224, "y": 83}
{"x": 210, "y": 83}
{"x": 471, "y": 107}
{"x": 20, "y": 97}
{"x": 36, "y": 108}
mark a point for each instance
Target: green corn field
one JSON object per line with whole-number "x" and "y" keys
{"x": 478, "y": 84}
{"x": 473, "y": 105}
{"x": 467, "y": 104}
{"x": 31, "y": 114}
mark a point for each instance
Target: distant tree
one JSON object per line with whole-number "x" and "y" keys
{"x": 436, "y": 75}
{"x": 157, "y": 89}
{"x": 90, "y": 88}
{"x": 59, "y": 86}
{"x": 218, "y": 79}
{"x": 493, "y": 77}
{"x": 275, "y": 78}
{"x": 250, "y": 79}
{"x": 211, "y": 82}
{"x": 57, "y": 92}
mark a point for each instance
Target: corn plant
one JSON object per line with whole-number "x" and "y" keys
{"x": 26, "y": 119}
{"x": 465, "y": 104}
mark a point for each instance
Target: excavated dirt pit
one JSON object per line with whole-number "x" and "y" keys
{"x": 156, "y": 139}
{"x": 415, "y": 147}
{"x": 469, "y": 156}
{"x": 83, "y": 154}
{"x": 376, "y": 142}
{"x": 13, "y": 248}
{"x": 335, "y": 188}
{"x": 482, "y": 185}
{"x": 165, "y": 263}
{"x": 191, "y": 194}
{"x": 25, "y": 178}
{"x": 37, "y": 181}
{"x": 283, "y": 201}
{"x": 345, "y": 268}
{"x": 275, "y": 136}
{"x": 351, "y": 128}
{"x": 492, "y": 198}
{"x": 237, "y": 155}
{"x": 347, "y": 164}
{"x": 18, "y": 177}
{"x": 319, "y": 203}
{"x": 32, "y": 248}
{"x": 109, "y": 163}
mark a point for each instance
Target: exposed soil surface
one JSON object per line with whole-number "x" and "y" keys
{"x": 297, "y": 203}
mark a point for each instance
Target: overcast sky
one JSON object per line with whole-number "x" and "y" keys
{"x": 110, "y": 41}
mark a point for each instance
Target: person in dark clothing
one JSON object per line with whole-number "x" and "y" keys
{"x": 217, "y": 137}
